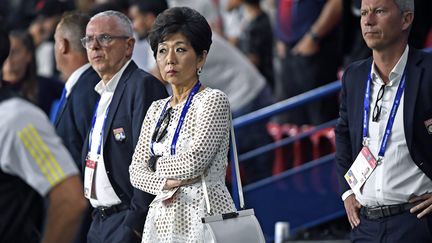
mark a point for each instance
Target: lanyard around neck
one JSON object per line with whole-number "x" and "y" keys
{"x": 390, "y": 122}
{"x": 194, "y": 90}
{"x": 102, "y": 129}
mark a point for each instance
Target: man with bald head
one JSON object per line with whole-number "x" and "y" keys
{"x": 126, "y": 92}
{"x": 384, "y": 133}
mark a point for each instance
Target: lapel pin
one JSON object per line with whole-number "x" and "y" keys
{"x": 119, "y": 134}
{"x": 428, "y": 125}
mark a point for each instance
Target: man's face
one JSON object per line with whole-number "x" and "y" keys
{"x": 140, "y": 22}
{"x": 383, "y": 24}
{"x": 108, "y": 60}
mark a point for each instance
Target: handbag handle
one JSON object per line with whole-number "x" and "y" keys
{"x": 236, "y": 166}
{"x": 237, "y": 172}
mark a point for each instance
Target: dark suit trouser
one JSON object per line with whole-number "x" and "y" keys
{"x": 111, "y": 229}
{"x": 402, "y": 228}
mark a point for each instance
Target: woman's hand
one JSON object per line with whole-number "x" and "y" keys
{"x": 172, "y": 183}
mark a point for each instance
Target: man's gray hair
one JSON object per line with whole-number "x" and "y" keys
{"x": 123, "y": 21}
{"x": 405, "y": 5}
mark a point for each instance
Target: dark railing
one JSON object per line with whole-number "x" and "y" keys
{"x": 288, "y": 188}
{"x": 287, "y": 104}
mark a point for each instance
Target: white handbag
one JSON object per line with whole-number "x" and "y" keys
{"x": 235, "y": 227}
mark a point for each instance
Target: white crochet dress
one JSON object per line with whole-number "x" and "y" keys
{"x": 201, "y": 149}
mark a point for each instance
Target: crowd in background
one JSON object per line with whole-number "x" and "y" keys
{"x": 273, "y": 37}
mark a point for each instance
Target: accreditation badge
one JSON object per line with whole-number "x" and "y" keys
{"x": 89, "y": 175}
{"x": 361, "y": 169}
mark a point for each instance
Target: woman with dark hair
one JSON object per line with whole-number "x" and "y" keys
{"x": 183, "y": 146}
{"x": 19, "y": 72}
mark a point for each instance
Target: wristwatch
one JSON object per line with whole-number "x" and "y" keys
{"x": 315, "y": 37}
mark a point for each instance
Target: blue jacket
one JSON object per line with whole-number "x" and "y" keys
{"x": 73, "y": 119}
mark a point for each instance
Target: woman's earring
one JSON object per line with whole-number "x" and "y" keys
{"x": 199, "y": 71}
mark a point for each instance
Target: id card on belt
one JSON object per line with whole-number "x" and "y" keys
{"x": 361, "y": 169}
{"x": 89, "y": 175}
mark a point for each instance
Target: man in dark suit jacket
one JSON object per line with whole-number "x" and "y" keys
{"x": 394, "y": 202}
{"x": 126, "y": 93}
{"x": 75, "y": 109}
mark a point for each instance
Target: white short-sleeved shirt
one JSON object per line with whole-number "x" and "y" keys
{"x": 30, "y": 148}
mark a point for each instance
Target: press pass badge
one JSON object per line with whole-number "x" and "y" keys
{"x": 361, "y": 169}
{"x": 89, "y": 175}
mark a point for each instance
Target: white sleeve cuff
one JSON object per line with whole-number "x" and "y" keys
{"x": 347, "y": 194}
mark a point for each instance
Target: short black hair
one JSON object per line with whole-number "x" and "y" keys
{"x": 4, "y": 44}
{"x": 151, "y": 6}
{"x": 182, "y": 20}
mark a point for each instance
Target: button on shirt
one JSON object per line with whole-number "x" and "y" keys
{"x": 397, "y": 178}
{"x": 105, "y": 194}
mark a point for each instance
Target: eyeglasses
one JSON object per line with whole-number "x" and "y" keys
{"x": 377, "y": 109}
{"x": 157, "y": 136}
{"x": 103, "y": 40}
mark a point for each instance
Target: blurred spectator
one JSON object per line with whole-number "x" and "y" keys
{"x": 34, "y": 166}
{"x": 143, "y": 14}
{"x": 17, "y": 14}
{"x": 48, "y": 14}
{"x": 208, "y": 8}
{"x": 233, "y": 19}
{"x": 227, "y": 69}
{"x": 310, "y": 51}
{"x": 19, "y": 71}
{"x": 354, "y": 45}
{"x": 102, "y": 6}
{"x": 256, "y": 40}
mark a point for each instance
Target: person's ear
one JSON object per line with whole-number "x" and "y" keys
{"x": 202, "y": 59}
{"x": 130, "y": 43}
{"x": 407, "y": 20}
{"x": 63, "y": 46}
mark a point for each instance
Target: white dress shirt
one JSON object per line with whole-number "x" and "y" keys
{"x": 74, "y": 78}
{"x": 105, "y": 194}
{"x": 397, "y": 178}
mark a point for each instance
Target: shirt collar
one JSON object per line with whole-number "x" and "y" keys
{"x": 112, "y": 83}
{"x": 397, "y": 71}
{"x": 72, "y": 80}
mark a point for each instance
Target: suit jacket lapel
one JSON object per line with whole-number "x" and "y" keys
{"x": 413, "y": 73}
{"x": 362, "y": 79}
{"x": 60, "y": 111}
{"x": 118, "y": 93}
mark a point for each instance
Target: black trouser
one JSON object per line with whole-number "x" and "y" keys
{"x": 111, "y": 229}
{"x": 401, "y": 228}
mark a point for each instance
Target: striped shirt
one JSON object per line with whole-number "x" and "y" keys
{"x": 30, "y": 148}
